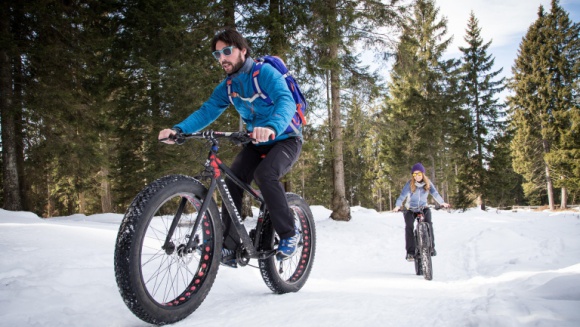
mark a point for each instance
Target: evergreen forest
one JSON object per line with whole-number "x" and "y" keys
{"x": 86, "y": 86}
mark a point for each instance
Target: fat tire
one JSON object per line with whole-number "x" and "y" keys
{"x": 298, "y": 267}
{"x": 418, "y": 265}
{"x": 195, "y": 272}
{"x": 425, "y": 251}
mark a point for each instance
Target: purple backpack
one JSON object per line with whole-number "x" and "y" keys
{"x": 298, "y": 120}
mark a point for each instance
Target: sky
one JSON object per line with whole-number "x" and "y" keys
{"x": 494, "y": 268}
{"x": 504, "y": 22}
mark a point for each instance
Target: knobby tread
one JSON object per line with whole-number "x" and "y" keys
{"x": 425, "y": 251}
{"x": 269, "y": 268}
{"x": 130, "y": 286}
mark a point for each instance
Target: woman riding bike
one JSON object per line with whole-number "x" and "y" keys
{"x": 416, "y": 190}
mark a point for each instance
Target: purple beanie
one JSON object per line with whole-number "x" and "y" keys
{"x": 418, "y": 166}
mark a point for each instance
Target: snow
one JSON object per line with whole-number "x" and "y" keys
{"x": 496, "y": 268}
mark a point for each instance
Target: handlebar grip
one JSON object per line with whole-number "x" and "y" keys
{"x": 271, "y": 137}
{"x": 178, "y": 138}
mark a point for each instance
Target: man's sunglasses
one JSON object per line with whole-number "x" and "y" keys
{"x": 226, "y": 51}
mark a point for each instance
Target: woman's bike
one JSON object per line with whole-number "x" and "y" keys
{"x": 169, "y": 244}
{"x": 423, "y": 246}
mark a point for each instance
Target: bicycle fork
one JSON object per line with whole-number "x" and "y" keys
{"x": 428, "y": 231}
{"x": 192, "y": 243}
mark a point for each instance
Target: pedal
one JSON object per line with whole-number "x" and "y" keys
{"x": 242, "y": 258}
{"x": 266, "y": 254}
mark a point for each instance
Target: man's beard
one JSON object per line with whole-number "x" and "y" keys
{"x": 238, "y": 65}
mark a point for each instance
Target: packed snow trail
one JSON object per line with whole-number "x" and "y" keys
{"x": 492, "y": 269}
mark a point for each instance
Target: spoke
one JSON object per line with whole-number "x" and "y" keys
{"x": 156, "y": 275}
{"x": 184, "y": 279}
{"x": 158, "y": 254}
{"x": 155, "y": 233}
{"x": 173, "y": 272}
{"x": 168, "y": 283}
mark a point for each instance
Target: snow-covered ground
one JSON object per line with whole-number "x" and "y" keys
{"x": 492, "y": 269}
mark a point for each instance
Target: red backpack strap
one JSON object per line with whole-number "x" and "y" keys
{"x": 229, "y": 88}
{"x": 300, "y": 113}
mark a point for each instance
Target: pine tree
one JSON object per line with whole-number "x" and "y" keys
{"x": 481, "y": 91}
{"x": 564, "y": 54}
{"x": 529, "y": 144}
{"x": 545, "y": 75}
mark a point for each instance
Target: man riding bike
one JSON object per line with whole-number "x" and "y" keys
{"x": 274, "y": 151}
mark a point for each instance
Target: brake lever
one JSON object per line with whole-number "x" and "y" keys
{"x": 242, "y": 138}
{"x": 177, "y": 138}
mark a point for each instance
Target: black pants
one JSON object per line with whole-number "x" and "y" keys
{"x": 250, "y": 165}
{"x": 409, "y": 221}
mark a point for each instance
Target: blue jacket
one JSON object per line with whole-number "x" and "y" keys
{"x": 276, "y": 115}
{"x": 419, "y": 197}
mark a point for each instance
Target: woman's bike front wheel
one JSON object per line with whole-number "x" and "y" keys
{"x": 424, "y": 251}
{"x": 290, "y": 275}
{"x": 160, "y": 281}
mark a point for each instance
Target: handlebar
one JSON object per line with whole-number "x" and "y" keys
{"x": 421, "y": 208}
{"x": 236, "y": 137}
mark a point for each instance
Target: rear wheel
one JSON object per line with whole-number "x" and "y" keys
{"x": 290, "y": 274}
{"x": 164, "y": 284}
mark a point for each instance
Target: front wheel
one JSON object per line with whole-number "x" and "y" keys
{"x": 290, "y": 274}
{"x": 161, "y": 282}
{"x": 425, "y": 251}
{"x": 418, "y": 264}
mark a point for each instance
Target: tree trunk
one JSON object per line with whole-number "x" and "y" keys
{"x": 340, "y": 207}
{"x": 303, "y": 179}
{"x": 564, "y": 202}
{"x": 49, "y": 210}
{"x": 432, "y": 177}
{"x": 18, "y": 100}
{"x": 390, "y": 199}
{"x": 246, "y": 200}
{"x": 277, "y": 37}
{"x": 106, "y": 198}
{"x": 82, "y": 203}
{"x": 11, "y": 187}
{"x": 480, "y": 203}
{"x": 380, "y": 200}
{"x": 549, "y": 187}
{"x": 229, "y": 10}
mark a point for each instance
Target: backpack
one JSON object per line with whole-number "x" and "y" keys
{"x": 298, "y": 120}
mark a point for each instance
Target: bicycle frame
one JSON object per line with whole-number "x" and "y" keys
{"x": 420, "y": 217}
{"x": 217, "y": 169}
